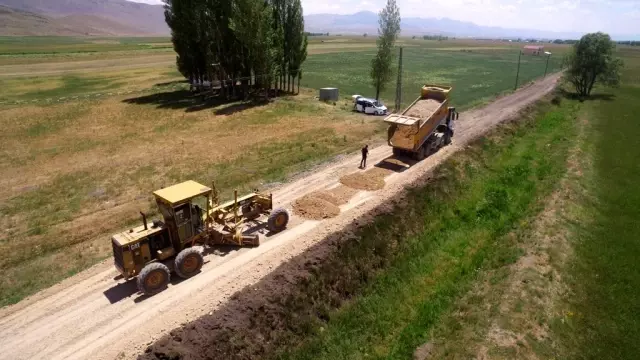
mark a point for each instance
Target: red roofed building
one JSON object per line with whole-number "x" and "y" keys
{"x": 533, "y": 49}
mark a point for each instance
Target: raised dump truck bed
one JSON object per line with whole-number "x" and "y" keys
{"x": 415, "y": 131}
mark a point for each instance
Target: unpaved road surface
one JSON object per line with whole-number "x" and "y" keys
{"x": 93, "y": 315}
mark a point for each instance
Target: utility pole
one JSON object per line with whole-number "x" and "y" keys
{"x": 399, "y": 84}
{"x": 518, "y": 73}
{"x": 547, "y": 66}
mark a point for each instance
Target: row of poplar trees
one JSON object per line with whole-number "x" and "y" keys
{"x": 248, "y": 42}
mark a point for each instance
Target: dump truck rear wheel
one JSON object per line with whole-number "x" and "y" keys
{"x": 153, "y": 278}
{"x": 278, "y": 220}
{"x": 421, "y": 154}
{"x": 448, "y": 137}
{"x": 188, "y": 262}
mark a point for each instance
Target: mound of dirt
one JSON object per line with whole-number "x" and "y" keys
{"x": 378, "y": 172}
{"x": 342, "y": 194}
{"x": 317, "y": 206}
{"x": 424, "y": 108}
{"x": 326, "y": 196}
{"x": 370, "y": 180}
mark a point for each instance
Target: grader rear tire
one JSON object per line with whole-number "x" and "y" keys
{"x": 278, "y": 220}
{"x": 188, "y": 262}
{"x": 153, "y": 278}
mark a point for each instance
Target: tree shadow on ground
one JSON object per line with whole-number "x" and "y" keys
{"x": 575, "y": 96}
{"x": 175, "y": 82}
{"x": 193, "y": 102}
{"x": 125, "y": 289}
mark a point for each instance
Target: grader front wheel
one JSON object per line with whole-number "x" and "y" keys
{"x": 188, "y": 262}
{"x": 153, "y": 278}
{"x": 278, "y": 220}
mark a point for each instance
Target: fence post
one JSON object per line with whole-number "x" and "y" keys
{"x": 399, "y": 84}
{"x": 546, "y": 66}
{"x": 518, "y": 72}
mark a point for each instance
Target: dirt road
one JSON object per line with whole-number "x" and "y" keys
{"x": 94, "y": 316}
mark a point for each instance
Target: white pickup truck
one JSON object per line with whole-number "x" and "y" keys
{"x": 368, "y": 106}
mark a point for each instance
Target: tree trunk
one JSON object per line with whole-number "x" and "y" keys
{"x": 377, "y": 91}
{"x": 591, "y": 83}
{"x": 298, "y": 85}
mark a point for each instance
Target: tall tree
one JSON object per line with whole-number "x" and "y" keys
{"x": 297, "y": 41}
{"x": 225, "y": 40}
{"x": 182, "y": 17}
{"x": 280, "y": 37}
{"x": 591, "y": 61}
{"x": 253, "y": 24}
{"x": 388, "y": 31}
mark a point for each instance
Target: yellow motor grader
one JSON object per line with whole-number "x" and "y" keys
{"x": 191, "y": 216}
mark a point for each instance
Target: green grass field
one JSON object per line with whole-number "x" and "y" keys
{"x": 604, "y": 276}
{"x": 475, "y": 74}
{"x": 41, "y": 45}
{"x": 44, "y": 69}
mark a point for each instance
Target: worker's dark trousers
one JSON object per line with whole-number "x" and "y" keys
{"x": 363, "y": 162}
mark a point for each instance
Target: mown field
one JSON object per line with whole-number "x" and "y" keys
{"x": 86, "y": 141}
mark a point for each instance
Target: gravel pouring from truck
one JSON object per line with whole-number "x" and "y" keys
{"x": 425, "y": 126}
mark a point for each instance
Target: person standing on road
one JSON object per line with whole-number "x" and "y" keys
{"x": 365, "y": 152}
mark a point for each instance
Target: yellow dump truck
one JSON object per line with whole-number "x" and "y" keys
{"x": 425, "y": 126}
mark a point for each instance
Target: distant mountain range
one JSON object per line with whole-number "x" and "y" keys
{"x": 81, "y": 17}
{"x": 121, "y": 17}
{"x": 367, "y": 22}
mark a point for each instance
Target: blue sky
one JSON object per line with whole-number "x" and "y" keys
{"x": 613, "y": 16}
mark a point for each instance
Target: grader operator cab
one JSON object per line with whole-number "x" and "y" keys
{"x": 191, "y": 215}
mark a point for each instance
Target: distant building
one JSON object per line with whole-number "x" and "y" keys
{"x": 533, "y": 49}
